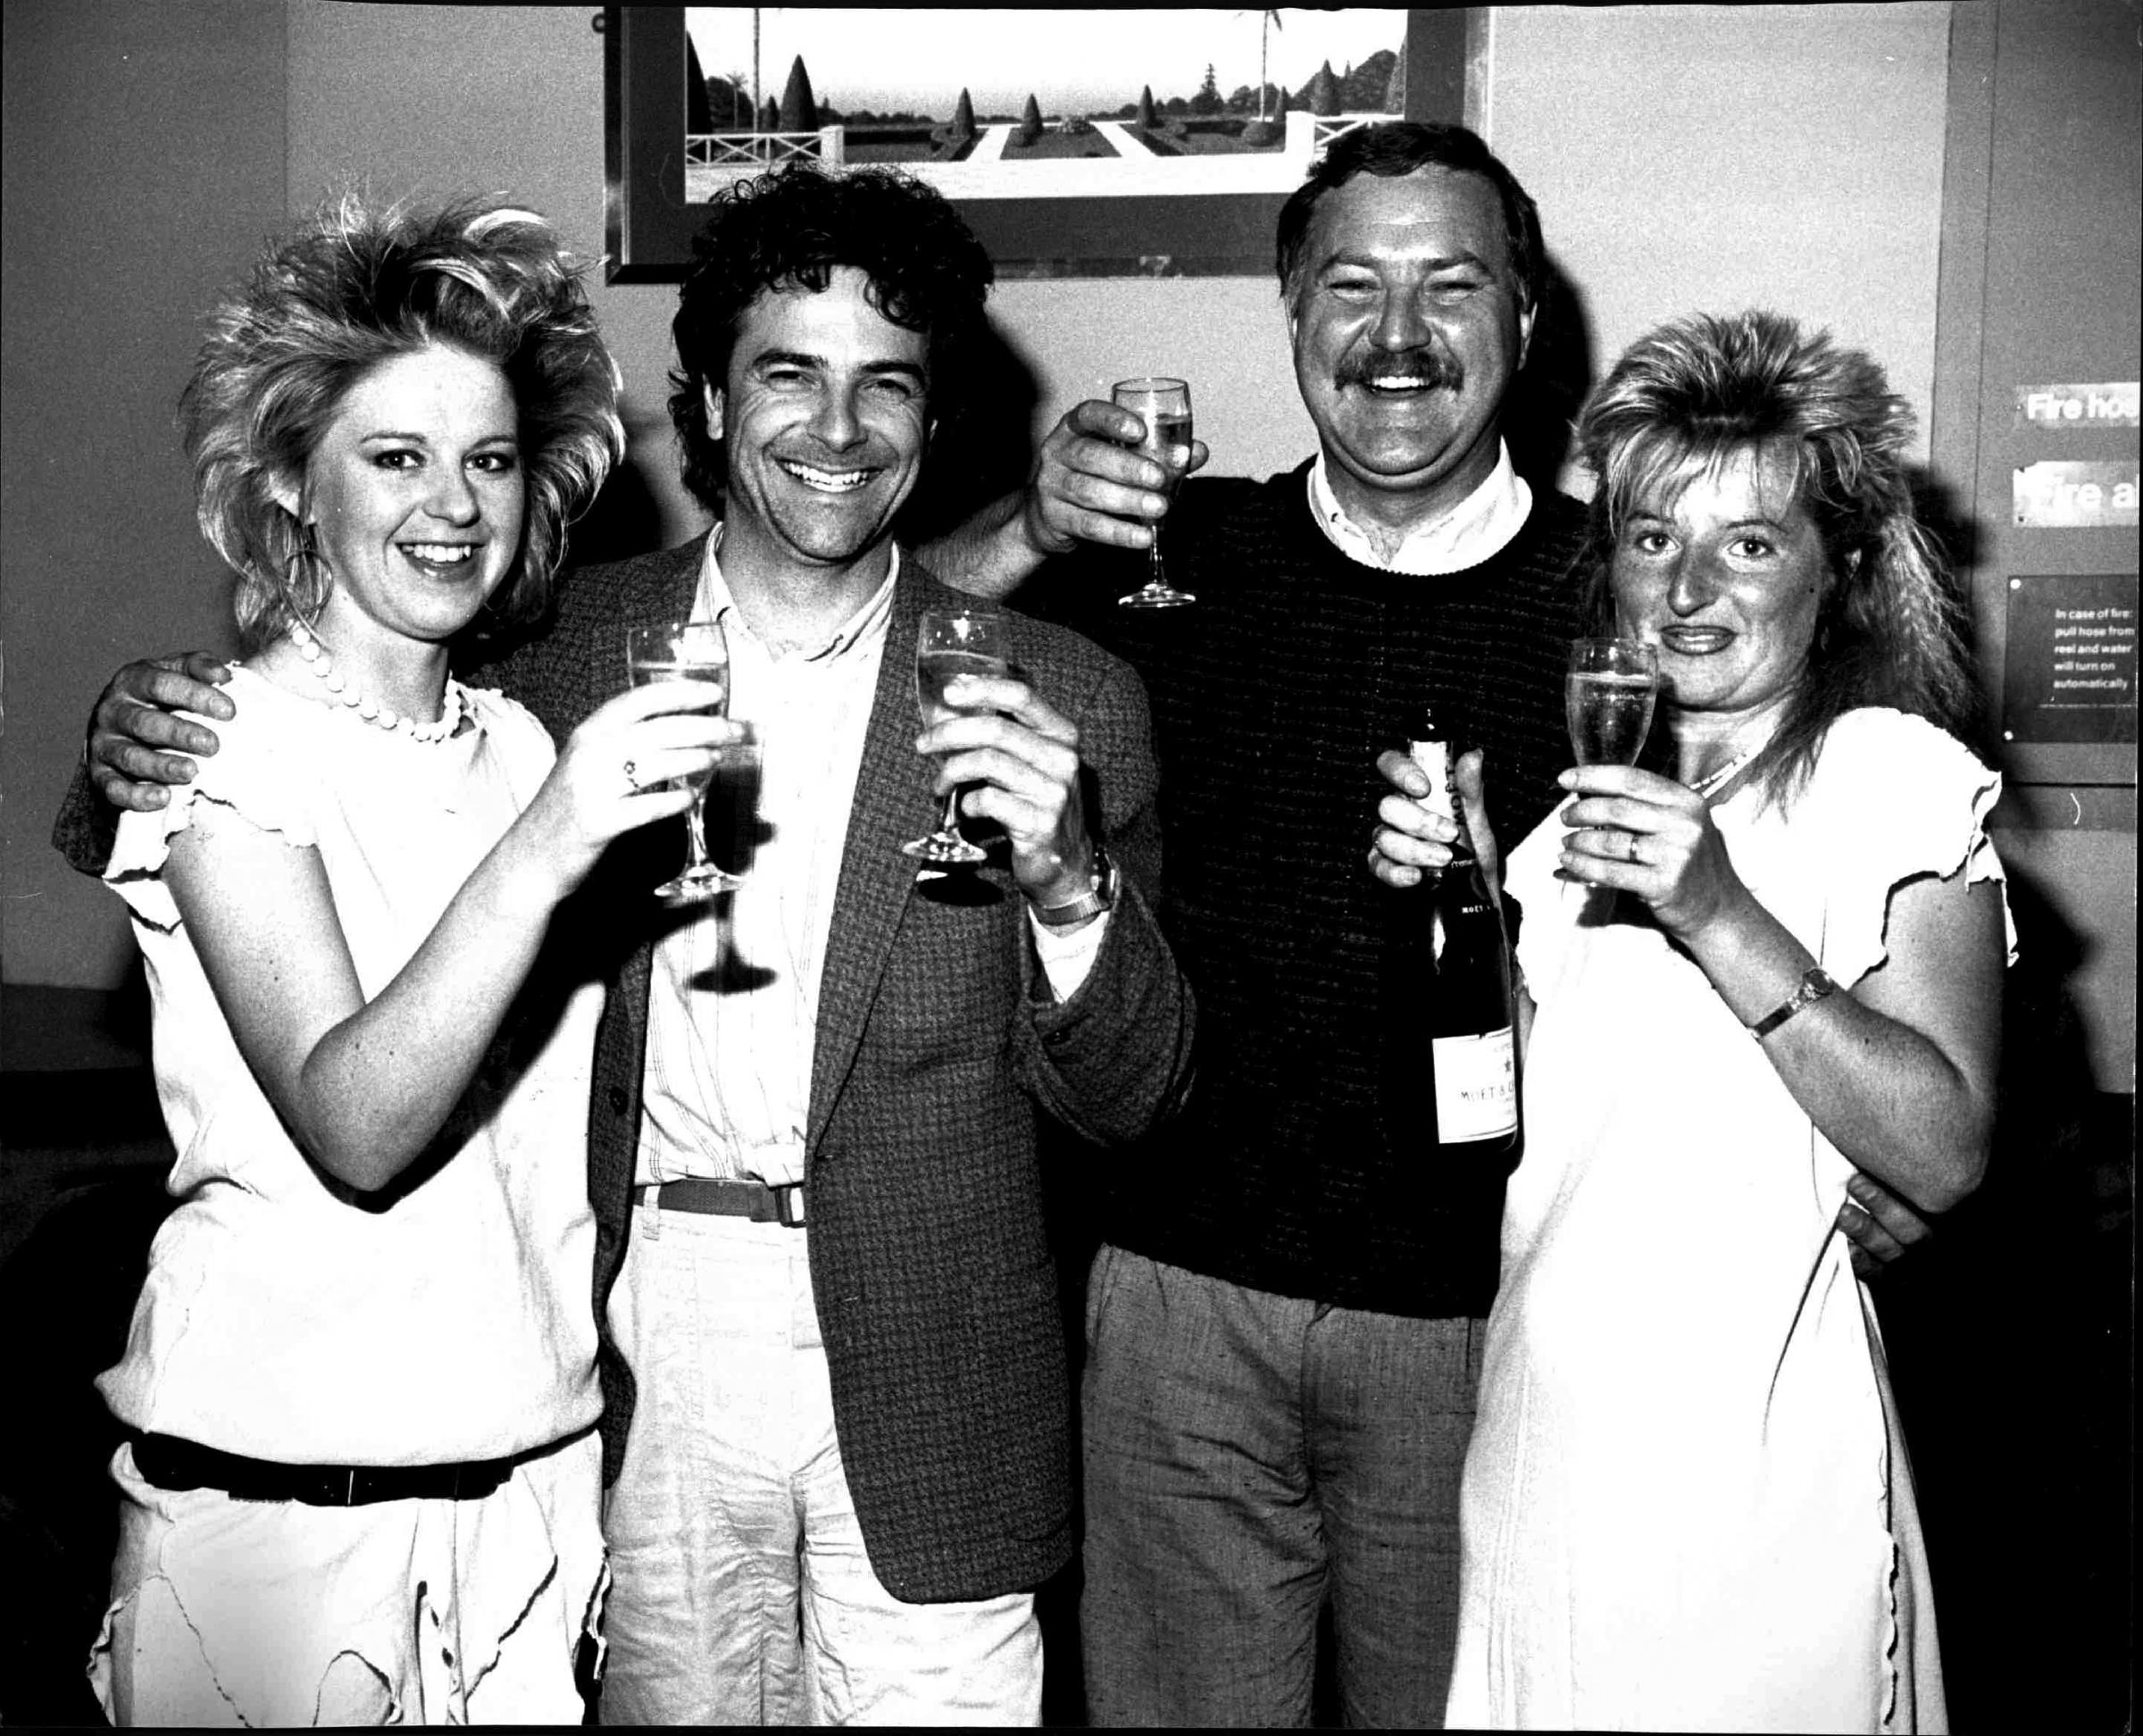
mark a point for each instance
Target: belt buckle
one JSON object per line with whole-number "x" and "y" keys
{"x": 789, "y": 1205}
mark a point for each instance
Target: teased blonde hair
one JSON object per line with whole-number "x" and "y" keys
{"x": 1686, "y": 401}
{"x": 352, "y": 288}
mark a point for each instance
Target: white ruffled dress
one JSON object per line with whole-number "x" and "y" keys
{"x": 1687, "y": 1503}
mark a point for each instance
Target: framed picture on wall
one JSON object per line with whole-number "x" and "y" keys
{"x": 1076, "y": 143}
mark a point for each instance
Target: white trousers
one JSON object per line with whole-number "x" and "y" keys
{"x": 226, "y": 1613}
{"x": 741, "y": 1592}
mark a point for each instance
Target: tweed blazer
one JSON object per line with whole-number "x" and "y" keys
{"x": 937, "y": 1050}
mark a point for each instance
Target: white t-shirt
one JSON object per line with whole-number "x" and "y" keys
{"x": 279, "y": 1321}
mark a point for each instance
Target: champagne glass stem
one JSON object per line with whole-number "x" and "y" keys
{"x": 695, "y": 834}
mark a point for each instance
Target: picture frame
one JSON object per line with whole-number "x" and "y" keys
{"x": 650, "y": 223}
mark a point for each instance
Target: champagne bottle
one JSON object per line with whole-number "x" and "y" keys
{"x": 1454, "y": 997}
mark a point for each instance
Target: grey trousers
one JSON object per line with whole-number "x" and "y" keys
{"x": 1248, "y": 1456}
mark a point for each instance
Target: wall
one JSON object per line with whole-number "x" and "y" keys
{"x": 2039, "y": 279}
{"x": 1821, "y": 128}
{"x": 1691, "y": 159}
{"x": 511, "y": 98}
{"x": 143, "y": 159}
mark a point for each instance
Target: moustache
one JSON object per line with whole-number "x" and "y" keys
{"x": 1436, "y": 370}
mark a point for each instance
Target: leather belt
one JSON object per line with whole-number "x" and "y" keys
{"x": 755, "y": 1200}
{"x": 167, "y": 1462}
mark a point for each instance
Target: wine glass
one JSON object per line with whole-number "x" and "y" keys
{"x": 949, "y": 643}
{"x": 687, "y": 651}
{"x": 1608, "y": 698}
{"x": 1164, "y": 407}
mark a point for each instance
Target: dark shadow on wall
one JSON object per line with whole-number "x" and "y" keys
{"x": 625, "y": 518}
{"x": 83, "y": 1156}
{"x": 2011, "y": 1340}
{"x": 983, "y": 451}
{"x": 1546, "y": 399}
{"x": 68, "y": 1293}
{"x": 1944, "y": 516}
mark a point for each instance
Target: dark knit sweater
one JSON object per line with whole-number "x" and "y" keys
{"x": 1273, "y": 697}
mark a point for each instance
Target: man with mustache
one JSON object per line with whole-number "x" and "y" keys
{"x": 837, "y": 1434}
{"x": 1286, "y": 1315}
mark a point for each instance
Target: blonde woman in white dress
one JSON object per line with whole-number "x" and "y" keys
{"x": 1774, "y": 960}
{"x": 361, "y": 1477}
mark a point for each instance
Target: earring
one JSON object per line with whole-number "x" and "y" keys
{"x": 306, "y": 580}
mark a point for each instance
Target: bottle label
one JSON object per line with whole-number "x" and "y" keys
{"x": 1434, "y": 759}
{"x": 1476, "y": 1086}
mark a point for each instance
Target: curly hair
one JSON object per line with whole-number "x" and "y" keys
{"x": 1690, "y": 397}
{"x": 352, "y": 288}
{"x": 789, "y": 229}
{"x": 1402, "y": 147}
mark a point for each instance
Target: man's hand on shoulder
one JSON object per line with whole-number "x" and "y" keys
{"x": 137, "y": 744}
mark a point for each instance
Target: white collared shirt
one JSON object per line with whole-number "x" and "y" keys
{"x": 733, "y": 1002}
{"x": 1480, "y": 525}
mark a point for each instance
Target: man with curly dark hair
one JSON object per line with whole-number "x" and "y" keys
{"x": 926, "y": 271}
{"x": 836, "y": 1432}
{"x": 847, "y": 1461}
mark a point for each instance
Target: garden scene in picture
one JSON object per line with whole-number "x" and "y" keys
{"x": 1010, "y": 103}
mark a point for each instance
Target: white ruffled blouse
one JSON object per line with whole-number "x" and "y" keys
{"x": 279, "y": 1321}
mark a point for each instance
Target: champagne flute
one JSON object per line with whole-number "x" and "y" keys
{"x": 953, "y": 642}
{"x": 1608, "y": 698}
{"x": 1165, "y": 406}
{"x": 687, "y": 651}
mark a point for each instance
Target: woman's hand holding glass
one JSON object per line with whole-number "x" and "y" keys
{"x": 1638, "y": 832}
{"x": 639, "y": 758}
{"x": 690, "y": 653}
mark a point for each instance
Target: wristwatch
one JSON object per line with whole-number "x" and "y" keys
{"x": 1099, "y": 896}
{"x": 1815, "y": 984}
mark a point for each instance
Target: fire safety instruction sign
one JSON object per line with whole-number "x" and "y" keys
{"x": 2058, "y": 493}
{"x": 2070, "y": 669}
{"x": 2111, "y": 403}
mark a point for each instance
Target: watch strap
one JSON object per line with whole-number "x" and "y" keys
{"x": 1815, "y": 984}
{"x": 1099, "y": 896}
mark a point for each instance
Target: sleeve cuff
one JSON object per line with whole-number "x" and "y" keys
{"x": 1067, "y": 957}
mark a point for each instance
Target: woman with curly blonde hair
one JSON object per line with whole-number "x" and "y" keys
{"x": 360, "y": 1479}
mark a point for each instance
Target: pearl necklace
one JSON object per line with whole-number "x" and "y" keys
{"x": 315, "y": 657}
{"x": 1724, "y": 775}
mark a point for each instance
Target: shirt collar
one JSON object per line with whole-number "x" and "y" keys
{"x": 713, "y": 601}
{"x": 1479, "y": 526}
